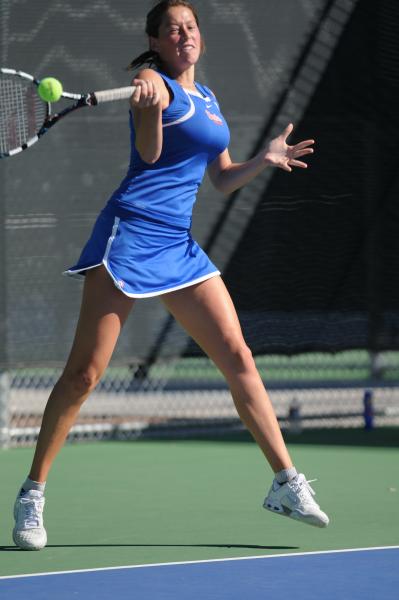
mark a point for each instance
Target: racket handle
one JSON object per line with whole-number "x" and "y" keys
{"x": 116, "y": 94}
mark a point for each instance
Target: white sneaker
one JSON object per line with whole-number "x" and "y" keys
{"x": 29, "y": 532}
{"x": 295, "y": 499}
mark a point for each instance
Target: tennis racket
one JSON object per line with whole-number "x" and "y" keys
{"x": 25, "y": 117}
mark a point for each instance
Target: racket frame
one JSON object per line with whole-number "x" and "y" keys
{"x": 81, "y": 100}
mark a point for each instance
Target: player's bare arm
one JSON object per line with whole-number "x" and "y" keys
{"x": 148, "y": 101}
{"x": 227, "y": 177}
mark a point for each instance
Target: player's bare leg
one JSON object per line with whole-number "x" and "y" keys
{"x": 103, "y": 312}
{"x": 207, "y": 313}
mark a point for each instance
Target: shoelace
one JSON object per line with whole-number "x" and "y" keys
{"x": 32, "y": 512}
{"x": 302, "y": 488}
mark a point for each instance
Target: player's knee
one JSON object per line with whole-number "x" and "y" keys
{"x": 239, "y": 359}
{"x": 82, "y": 380}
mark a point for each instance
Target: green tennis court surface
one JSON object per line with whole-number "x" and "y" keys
{"x": 112, "y": 504}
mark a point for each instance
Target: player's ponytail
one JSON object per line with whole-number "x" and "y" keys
{"x": 146, "y": 58}
{"x": 153, "y": 22}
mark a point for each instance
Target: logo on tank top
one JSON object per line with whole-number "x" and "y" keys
{"x": 215, "y": 118}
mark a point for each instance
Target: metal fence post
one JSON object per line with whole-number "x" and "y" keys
{"x": 4, "y": 409}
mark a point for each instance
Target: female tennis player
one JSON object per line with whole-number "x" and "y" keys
{"x": 141, "y": 246}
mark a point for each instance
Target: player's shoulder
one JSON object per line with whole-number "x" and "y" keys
{"x": 149, "y": 75}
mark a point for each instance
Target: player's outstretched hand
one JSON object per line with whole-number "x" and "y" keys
{"x": 280, "y": 154}
{"x": 146, "y": 94}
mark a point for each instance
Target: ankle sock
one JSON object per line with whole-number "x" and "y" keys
{"x": 286, "y": 475}
{"x": 29, "y": 484}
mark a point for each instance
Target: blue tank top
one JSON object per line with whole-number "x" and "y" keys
{"x": 194, "y": 134}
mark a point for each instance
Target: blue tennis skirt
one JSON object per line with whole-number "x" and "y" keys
{"x": 145, "y": 254}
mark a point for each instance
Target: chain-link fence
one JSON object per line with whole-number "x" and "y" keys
{"x": 188, "y": 397}
{"x": 310, "y": 259}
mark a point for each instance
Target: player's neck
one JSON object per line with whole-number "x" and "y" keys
{"x": 186, "y": 79}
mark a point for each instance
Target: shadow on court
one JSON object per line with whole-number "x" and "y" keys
{"x": 249, "y": 546}
{"x": 381, "y": 437}
{"x": 384, "y": 437}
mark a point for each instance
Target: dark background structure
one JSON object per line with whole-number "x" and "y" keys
{"x": 311, "y": 258}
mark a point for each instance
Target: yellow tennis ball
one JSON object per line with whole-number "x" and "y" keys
{"x": 50, "y": 89}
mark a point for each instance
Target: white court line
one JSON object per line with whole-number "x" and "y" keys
{"x": 196, "y": 562}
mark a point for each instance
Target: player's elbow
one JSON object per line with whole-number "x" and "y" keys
{"x": 149, "y": 155}
{"x": 226, "y": 189}
{"x": 222, "y": 186}
{"x": 150, "y": 159}
{"x": 220, "y": 174}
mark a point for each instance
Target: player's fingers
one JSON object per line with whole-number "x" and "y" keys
{"x": 304, "y": 144}
{"x": 156, "y": 98}
{"x": 285, "y": 165}
{"x": 298, "y": 163}
{"x": 287, "y": 131}
{"x": 141, "y": 83}
{"x": 137, "y": 94}
{"x": 140, "y": 99}
{"x": 149, "y": 93}
{"x": 144, "y": 90}
{"x": 298, "y": 153}
{"x": 144, "y": 99}
{"x": 154, "y": 95}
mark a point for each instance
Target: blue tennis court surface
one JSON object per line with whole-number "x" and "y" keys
{"x": 366, "y": 574}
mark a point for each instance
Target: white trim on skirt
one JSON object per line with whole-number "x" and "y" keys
{"x": 78, "y": 275}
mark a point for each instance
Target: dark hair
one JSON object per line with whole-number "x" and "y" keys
{"x": 153, "y": 22}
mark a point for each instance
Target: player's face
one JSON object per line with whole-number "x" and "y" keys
{"x": 179, "y": 39}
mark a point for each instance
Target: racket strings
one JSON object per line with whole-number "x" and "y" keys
{"x": 22, "y": 113}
